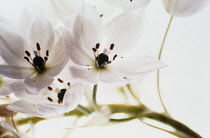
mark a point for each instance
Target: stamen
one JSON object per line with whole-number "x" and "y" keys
{"x": 97, "y": 46}
{"x": 50, "y": 88}
{"x": 47, "y": 53}
{"x": 45, "y": 58}
{"x": 27, "y": 53}
{"x": 94, "y": 50}
{"x": 114, "y": 57}
{"x": 38, "y": 46}
{"x": 111, "y": 47}
{"x": 61, "y": 81}
{"x": 68, "y": 84}
{"x": 101, "y": 15}
{"x": 27, "y": 59}
{"x": 50, "y": 99}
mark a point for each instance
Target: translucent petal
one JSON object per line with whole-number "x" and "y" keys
{"x": 24, "y": 107}
{"x": 12, "y": 47}
{"x": 42, "y": 32}
{"x": 73, "y": 96}
{"x": 37, "y": 82}
{"x": 57, "y": 59}
{"x": 50, "y": 110}
{"x": 84, "y": 74}
{"x": 88, "y": 29}
{"x": 111, "y": 78}
{"x": 124, "y": 32}
{"x": 135, "y": 65}
{"x": 16, "y": 72}
{"x": 75, "y": 50}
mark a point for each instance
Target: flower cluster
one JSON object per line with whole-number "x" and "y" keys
{"x": 48, "y": 62}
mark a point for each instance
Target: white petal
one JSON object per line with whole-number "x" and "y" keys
{"x": 8, "y": 127}
{"x": 50, "y": 110}
{"x": 12, "y": 47}
{"x": 64, "y": 8}
{"x": 135, "y": 65}
{"x": 125, "y": 32}
{"x": 73, "y": 96}
{"x": 24, "y": 107}
{"x": 4, "y": 86}
{"x": 75, "y": 51}
{"x": 18, "y": 89}
{"x": 57, "y": 60}
{"x": 85, "y": 74}
{"x": 36, "y": 82}
{"x": 128, "y": 4}
{"x": 88, "y": 29}
{"x": 184, "y": 7}
{"x": 42, "y": 32}
{"x": 111, "y": 78}
{"x": 25, "y": 23}
{"x": 16, "y": 72}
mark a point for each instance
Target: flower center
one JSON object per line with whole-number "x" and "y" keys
{"x": 60, "y": 93}
{"x": 102, "y": 59}
{"x": 38, "y": 62}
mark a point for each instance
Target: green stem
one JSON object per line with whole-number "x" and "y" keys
{"x": 83, "y": 110}
{"x": 158, "y": 72}
{"x": 95, "y": 105}
{"x": 181, "y": 129}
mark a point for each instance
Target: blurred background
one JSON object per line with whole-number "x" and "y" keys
{"x": 185, "y": 83}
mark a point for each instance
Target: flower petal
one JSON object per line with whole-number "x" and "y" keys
{"x": 4, "y": 86}
{"x": 109, "y": 77}
{"x": 183, "y": 7}
{"x": 73, "y": 96}
{"x": 12, "y": 47}
{"x": 58, "y": 59}
{"x": 50, "y": 110}
{"x": 125, "y": 31}
{"x": 42, "y": 32}
{"x": 75, "y": 51}
{"x": 16, "y": 72}
{"x": 129, "y": 4}
{"x": 8, "y": 127}
{"x": 37, "y": 82}
{"x": 88, "y": 29}
{"x": 85, "y": 74}
{"x": 24, "y": 107}
{"x": 135, "y": 65}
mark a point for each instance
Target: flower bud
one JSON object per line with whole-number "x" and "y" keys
{"x": 183, "y": 7}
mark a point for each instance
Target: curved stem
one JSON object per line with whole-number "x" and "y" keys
{"x": 158, "y": 72}
{"x": 95, "y": 105}
{"x": 13, "y": 122}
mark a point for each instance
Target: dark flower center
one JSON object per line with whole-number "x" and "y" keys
{"x": 61, "y": 95}
{"x": 37, "y": 62}
{"x": 103, "y": 59}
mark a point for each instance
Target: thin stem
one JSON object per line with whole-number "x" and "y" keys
{"x": 95, "y": 105}
{"x": 132, "y": 93}
{"x": 83, "y": 110}
{"x": 13, "y": 122}
{"x": 158, "y": 72}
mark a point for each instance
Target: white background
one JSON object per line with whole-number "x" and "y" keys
{"x": 185, "y": 83}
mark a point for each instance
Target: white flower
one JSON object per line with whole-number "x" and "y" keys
{"x": 105, "y": 54}
{"x": 129, "y": 4}
{"x": 9, "y": 128}
{"x": 183, "y": 7}
{"x": 34, "y": 56}
{"x": 51, "y": 101}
